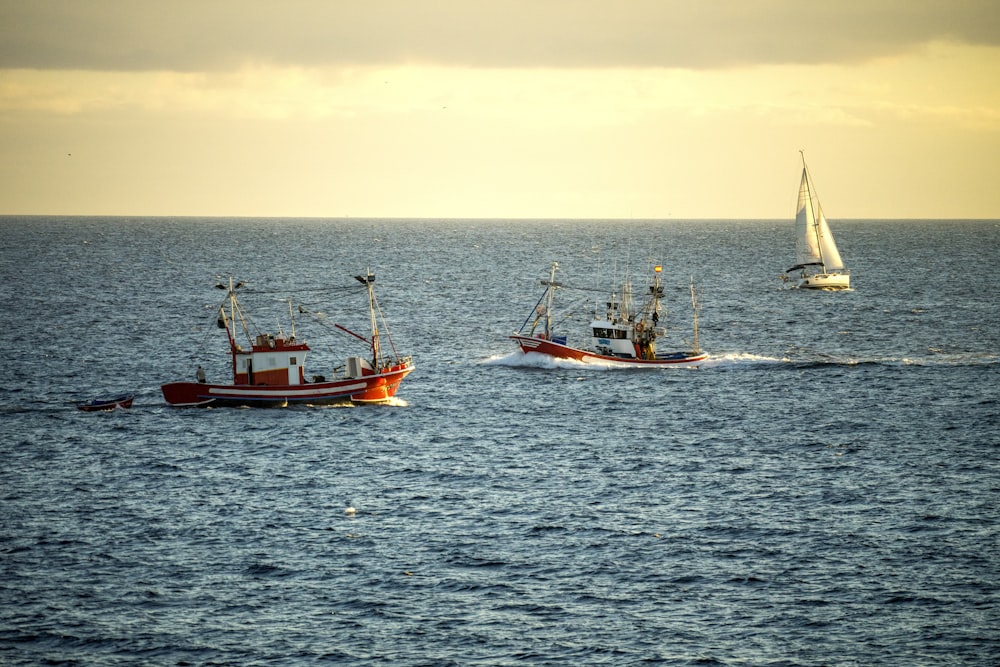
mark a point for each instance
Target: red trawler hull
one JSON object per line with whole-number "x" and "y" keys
{"x": 560, "y": 351}
{"x": 374, "y": 388}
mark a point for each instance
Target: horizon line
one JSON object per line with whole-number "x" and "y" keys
{"x": 162, "y": 216}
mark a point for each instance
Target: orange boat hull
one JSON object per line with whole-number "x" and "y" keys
{"x": 374, "y": 388}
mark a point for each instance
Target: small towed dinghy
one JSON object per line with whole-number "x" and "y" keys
{"x": 100, "y": 404}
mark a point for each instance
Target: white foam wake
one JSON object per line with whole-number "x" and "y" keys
{"x": 518, "y": 359}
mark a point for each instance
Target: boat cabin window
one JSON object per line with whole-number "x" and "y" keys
{"x": 291, "y": 361}
{"x": 600, "y": 332}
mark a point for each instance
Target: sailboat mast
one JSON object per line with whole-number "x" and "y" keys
{"x": 813, "y": 210}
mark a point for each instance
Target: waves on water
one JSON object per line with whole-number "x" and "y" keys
{"x": 743, "y": 360}
{"x": 820, "y": 491}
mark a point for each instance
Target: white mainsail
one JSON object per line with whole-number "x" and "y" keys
{"x": 814, "y": 242}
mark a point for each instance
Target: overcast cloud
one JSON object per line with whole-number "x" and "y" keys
{"x": 197, "y": 35}
{"x": 498, "y": 108}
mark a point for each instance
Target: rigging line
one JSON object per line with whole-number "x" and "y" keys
{"x": 342, "y": 288}
{"x": 388, "y": 333}
{"x": 570, "y": 311}
{"x": 582, "y": 289}
{"x": 205, "y": 336}
{"x": 247, "y": 323}
{"x": 534, "y": 309}
{"x": 238, "y": 312}
{"x": 566, "y": 317}
{"x": 324, "y": 321}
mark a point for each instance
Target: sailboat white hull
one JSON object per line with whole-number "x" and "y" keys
{"x": 829, "y": 281}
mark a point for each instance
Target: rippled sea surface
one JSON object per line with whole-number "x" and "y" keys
{"x": 823, "y": 491}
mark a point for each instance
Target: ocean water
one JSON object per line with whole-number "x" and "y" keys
{"x": 822, "y": 491}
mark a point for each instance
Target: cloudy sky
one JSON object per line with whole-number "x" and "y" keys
{"x": 499, "y": 109}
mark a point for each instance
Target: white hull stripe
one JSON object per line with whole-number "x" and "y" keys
{"x": 285, "y": 392}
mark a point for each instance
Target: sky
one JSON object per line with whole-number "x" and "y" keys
{"x": 643, "y": 109}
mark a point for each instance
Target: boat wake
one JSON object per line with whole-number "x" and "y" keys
{"x": 739, "y": 360}
{"x": 518, "y": 359}
{"x": 806, "y": 359}
{"x": 748, "y": 361}
{"x": 395, "y": 402}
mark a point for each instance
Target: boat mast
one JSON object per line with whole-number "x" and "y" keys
{"x": 657, "y": 292}
{"x": 627, "y": 305}
{"x": 229, "y": 323}
{"x": 368, "y": 281}
{"x": 813, "y": 210}
{"x": 548, "y": 306}
{"x": 234, "y": 310}
{"x": 694, "y": 309}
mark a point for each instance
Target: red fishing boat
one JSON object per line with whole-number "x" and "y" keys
{"x": 620, "y": 332}
{"x": 269, "y": 369}
{"x": 104, "y": 404}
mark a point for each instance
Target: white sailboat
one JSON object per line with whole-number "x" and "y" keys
{"x": 818, "y": 259}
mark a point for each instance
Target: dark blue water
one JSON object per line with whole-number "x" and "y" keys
{"x": 824, "y": 491}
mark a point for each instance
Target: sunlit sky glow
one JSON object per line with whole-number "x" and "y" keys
{"x": 514, "y": 109}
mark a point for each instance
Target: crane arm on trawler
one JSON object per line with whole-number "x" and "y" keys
{"x": 356, "y": 335}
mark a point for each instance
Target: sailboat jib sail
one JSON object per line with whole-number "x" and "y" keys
{"x": 817, "y": 256}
